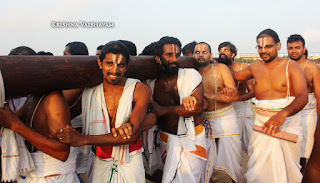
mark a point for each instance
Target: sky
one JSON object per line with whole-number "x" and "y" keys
{"x": 30, "y": 23}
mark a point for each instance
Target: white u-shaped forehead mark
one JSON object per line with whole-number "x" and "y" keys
{"x": 262, "y": 41}
{"x": 174, "y": 49}
{"x": 116, "y": 59}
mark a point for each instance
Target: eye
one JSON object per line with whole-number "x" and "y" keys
{"x": 121, "y": 65}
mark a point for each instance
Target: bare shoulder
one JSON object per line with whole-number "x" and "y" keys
{"x": 55, "y": 101}
{"x": 237, "y": 66}
{"x": 142, "y": 90}
{"x": 220, "y": 66}
{"x": 313, "y": 67}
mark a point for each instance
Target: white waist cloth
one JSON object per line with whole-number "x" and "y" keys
{"x": 112, "y": 171}
{"x": 274, "y": 158}
{"x": 222, "y": 122}
{"x": 245, "y": 121}
{"x": 49, "y": 169}
{"x": 308, "y": 125}
{"x": 182, "y": 165}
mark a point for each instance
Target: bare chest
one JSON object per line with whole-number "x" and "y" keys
{"x": 166, "y": 93}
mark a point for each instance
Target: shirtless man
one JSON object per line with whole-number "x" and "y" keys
{"x": 118, "y": 105}
{"x": 227, "y": 52}
{"x": 182, "y": 135}
{"x": 281, "y": 92}
{"x": 220, "y": 117}
{"x": 296, "y": 49}
{"x": 41, "y": 117}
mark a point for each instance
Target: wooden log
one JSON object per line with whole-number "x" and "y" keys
{"x": 23, "y": 75}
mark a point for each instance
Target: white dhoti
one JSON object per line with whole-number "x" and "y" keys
{"x": 120, "y": 165}
{"x": 112, "y": 171}
{"x": 152, "y": 153}
{"x": 308, "y": 125}
{"x": 245, "y": 121}
{"x": 274, "y": 158}
{"x": 182, "y": 165}
{"x": 51, "y": 170}
{"x": 226, "y": 153}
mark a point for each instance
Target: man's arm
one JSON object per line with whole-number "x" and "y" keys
{"x": 141, "y": 98}
{"x": 300, "y": 91}
{"x": 243, "y": 75}
{"x": 179, "y": 110}
{"x": 312, "y": 173}
{"x": 229, "y": 84}
{"x": 58, "y": 115}
{"x": 316, "y": 84}
{"x": 251, "y": 92}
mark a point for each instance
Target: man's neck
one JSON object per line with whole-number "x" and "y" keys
{"x": 273, "y": 62}
{"x": 168, "y": 77}
{"x": 301, "y": 61}
{"x": 204, "y": 69}
{"x": 112, "y": 87}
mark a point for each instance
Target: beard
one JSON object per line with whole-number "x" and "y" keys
{"x": 224, "y": 60}
{"x": 167, "y": 69}
{"x": 199, "y": 63}
{"x": 296, "y": 59}
{"x": 271, "y": 58}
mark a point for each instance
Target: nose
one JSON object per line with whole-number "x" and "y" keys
{"x": 115, "y": 68}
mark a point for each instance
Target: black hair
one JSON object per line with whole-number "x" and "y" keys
{"x": 115, "y": 47}
{"x": 295, "y": 38}
{"x": 77, "y": 48}
{"x": 166, "y": 40}
{"x": 306, "y": 53}
{"x": 22, "y": 50}
{"x": 189, "y": 48}
{"x": 131, "y": 47}
{"x": 270, "y": 33}
{"x": 100, "y": 47}
{"x": 44, "y": 53}
{"x": 150, "y": 49}
{"x": 233, "y": 48}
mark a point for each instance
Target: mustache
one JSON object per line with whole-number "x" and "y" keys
{"x": 117, "y": 74}
{"x": 222, "y": 54}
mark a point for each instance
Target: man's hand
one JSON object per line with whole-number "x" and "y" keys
{"x": 189, "y": 103}
{"x": 7, "y": 117}
{"x": 274, "y": 123}
{"x": 124, "y": 130}
{"x": 70, "y": 136}
{"x": 156, "y": 108}
{"x": 228, "y": 92}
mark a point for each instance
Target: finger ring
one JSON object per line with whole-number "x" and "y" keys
{"x": 61, "y": 130}
{"x": 60, "y": 138}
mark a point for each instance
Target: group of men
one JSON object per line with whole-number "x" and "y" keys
{"x": 201, "y": 116}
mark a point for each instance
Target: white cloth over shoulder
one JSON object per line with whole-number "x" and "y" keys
{"x": 188, "y": 81}
{"x": 96, "y": 118}
{"x": 15, "y": 157}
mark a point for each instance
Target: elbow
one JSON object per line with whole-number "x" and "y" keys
{"x": 64, "y": 155}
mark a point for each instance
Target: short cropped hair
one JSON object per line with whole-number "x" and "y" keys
{"x": 77, "y": 48}
{"x": 22, "y": 50}
{"x": 189, "y": 48}
{"x": 166, "y": 40}
{"x": 270, "y": 33}
{"x": 131, "y": 47}
{"x": 115, "y": 47}
{"x": 295, "y": 38}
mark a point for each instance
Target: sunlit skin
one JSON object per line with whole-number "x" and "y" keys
{"x": 167, "y": 101}
{"x": 221, "y": 72}
{"x": 271, "y": 83}
{"x": 226, "y": 52}
{"x": 267, "y": 48}
{"x": 295, "y": 50}
{"x": 113, "y": 68}
{"x": 242, "y": 87}
{"x": 171, "y": 55}
{"x": 66, "y": 51}
{"x": 202, "y": 54}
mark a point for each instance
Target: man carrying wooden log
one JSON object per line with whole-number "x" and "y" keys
{"x": 182, "y": 135}
{"x": 113, "y": 114}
